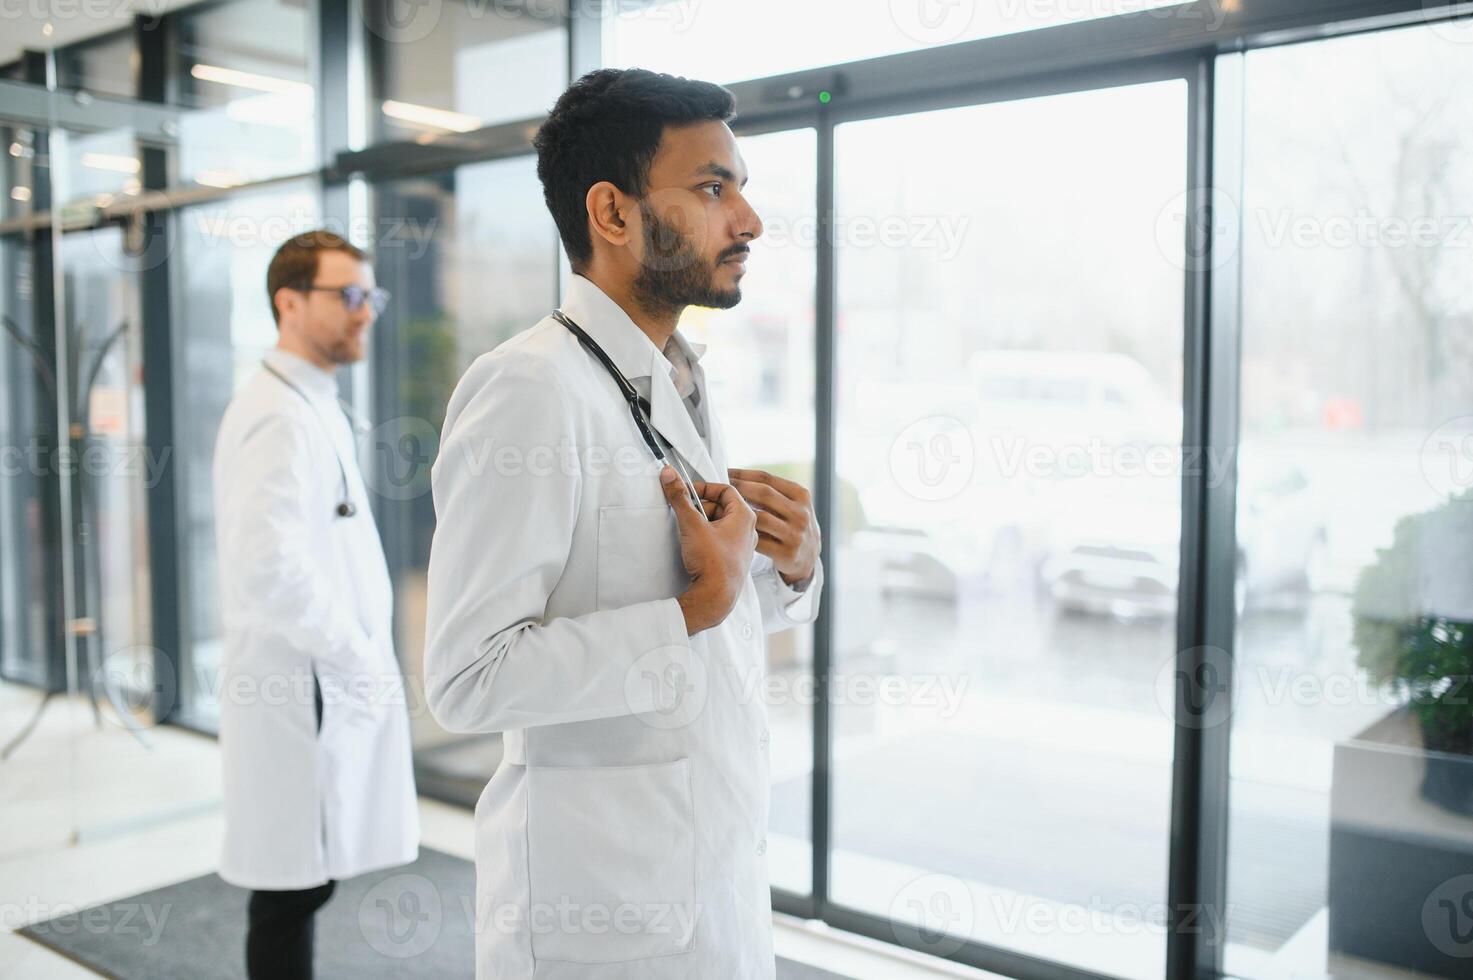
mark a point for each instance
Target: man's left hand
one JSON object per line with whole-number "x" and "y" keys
{"x": 787, "y": 528}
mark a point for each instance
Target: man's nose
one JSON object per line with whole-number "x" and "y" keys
{"x": 749, "y": 223}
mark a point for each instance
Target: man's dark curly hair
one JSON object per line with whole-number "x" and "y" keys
{"x": 607, "y": 126}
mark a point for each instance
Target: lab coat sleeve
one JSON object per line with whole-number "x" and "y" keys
{"x": 783, "y": 606}
{"x": 265, "y": 543}
{"x": 506, "y": 502}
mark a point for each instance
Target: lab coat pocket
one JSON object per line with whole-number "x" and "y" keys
{"x": 611, "y": 855}
{"x": 638, "y": 556}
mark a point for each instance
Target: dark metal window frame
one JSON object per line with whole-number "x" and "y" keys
{"x": 1095, "y": 54}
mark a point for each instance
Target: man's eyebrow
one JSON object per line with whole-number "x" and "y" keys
{"x": 717, "y": 170}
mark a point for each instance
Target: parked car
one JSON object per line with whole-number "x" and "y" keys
{"x": 1119, "y": 553}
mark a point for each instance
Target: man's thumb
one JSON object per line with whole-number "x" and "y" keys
{"x": 670, "y": 482}
{"x": 674, "y": 489}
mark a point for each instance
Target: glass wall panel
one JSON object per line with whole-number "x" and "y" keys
{"x": 1009, "y": 384}
{"x": 453, "y": 66}
{"x": 1351, "y": 826}
{"x": 245, "y": 67}
{"x": 223, "y": 326}
{"x": 759, "y": 364}
{"x": 102, "y": 66}
{"x": 733, "y": 40}
{"x": 93, "y": 169}
{"x": 27, "y": 506}
{"x": 471, "y": 259}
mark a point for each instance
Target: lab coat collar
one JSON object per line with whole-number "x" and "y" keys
{"x": 634, "y": 354}
{"x": 303, "y": 373}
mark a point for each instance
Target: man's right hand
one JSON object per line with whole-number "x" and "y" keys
{"x": 717, "y": 552}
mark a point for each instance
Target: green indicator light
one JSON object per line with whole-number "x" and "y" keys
{"x": 824, "y": 96}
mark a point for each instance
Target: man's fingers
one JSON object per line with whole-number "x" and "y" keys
{"x": 789, "y": 489}
{"x": 772, "y": 527}
{"x": 726, "y": 499}
{"x": 766, "y": 497}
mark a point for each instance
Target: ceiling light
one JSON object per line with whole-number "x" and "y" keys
{"x": 250, "y": 80}
{"x": 111, "y": 161}
{"x": 423, "y": 115}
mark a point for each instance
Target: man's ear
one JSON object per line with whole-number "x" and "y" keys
{"x": 608, "y": 212}
{"x": 286, "y": 299}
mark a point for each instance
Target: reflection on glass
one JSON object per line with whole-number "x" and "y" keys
{"x": 1008, "y": 386}
{"x": 243, "y": 67}
{"x": 729, "y": 41}
{"x": 106, "y": 417}
{"x": 27, "y": 501}
{"x": 1352, "y": 783}
{"x": 94, "y": 168}
{"x": 759, "y": 367}
{"x": 470, "y": 258}
{"x": 102, "y": 66}
{"x": 19, "y": 170}
{"x": 455, "y": 66}
{"x": 223, "y": 326}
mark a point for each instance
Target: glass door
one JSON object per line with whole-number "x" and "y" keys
{"x": 759, "y": 364}
{"x": 1008, "y": 403}
{"x": 109, "y": 472}
{"x": 1351, "y": 791}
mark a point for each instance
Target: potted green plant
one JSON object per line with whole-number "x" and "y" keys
{"x": 1412, "y": 631}
{"x": 1401, "y": 796}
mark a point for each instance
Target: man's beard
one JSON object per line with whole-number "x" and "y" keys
{"x": 342, "y": 351}
{"x": 672, "y": 276}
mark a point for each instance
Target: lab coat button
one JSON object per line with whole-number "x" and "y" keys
{"x": 766, "y": 738}
{"x": 746, "y": 631}
{"x": 762, "y": 847}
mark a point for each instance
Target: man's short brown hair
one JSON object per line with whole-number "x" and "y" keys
{"x": 294, "y": 265}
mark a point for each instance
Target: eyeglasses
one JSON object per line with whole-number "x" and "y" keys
{"x": 353, "y": 296}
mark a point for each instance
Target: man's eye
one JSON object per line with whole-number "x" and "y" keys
{"x": 714, "y": 187}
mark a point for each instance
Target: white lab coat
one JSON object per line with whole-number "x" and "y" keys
{"x": 623, "y": 836}
{"x": 304, "y": 590}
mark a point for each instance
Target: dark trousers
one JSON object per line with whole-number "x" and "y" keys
{"x": 279, "y": 924}
{"x": 279, "y": 933}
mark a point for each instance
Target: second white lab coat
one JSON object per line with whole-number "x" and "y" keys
{"x": 305, "y": 592}
{"x": 624, "y": 834}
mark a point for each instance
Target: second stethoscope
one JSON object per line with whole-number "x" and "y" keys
{"x": 638, "y": 407}
{"x": 345, "y": 507}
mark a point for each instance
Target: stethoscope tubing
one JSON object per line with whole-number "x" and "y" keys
{"x": 346, "y": 508}
{"x": 637, "y": 406}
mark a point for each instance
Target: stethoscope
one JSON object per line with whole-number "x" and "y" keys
{"x": 346, "y": 508}
{"x": 639, "y": 408}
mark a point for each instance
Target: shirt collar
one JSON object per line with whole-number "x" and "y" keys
{"x": 302, "y": 372}
{"x": 629, "y": 347}
{"x": 689, "y": 348}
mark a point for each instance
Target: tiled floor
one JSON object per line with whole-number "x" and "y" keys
{"x": 89, "y": 814}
